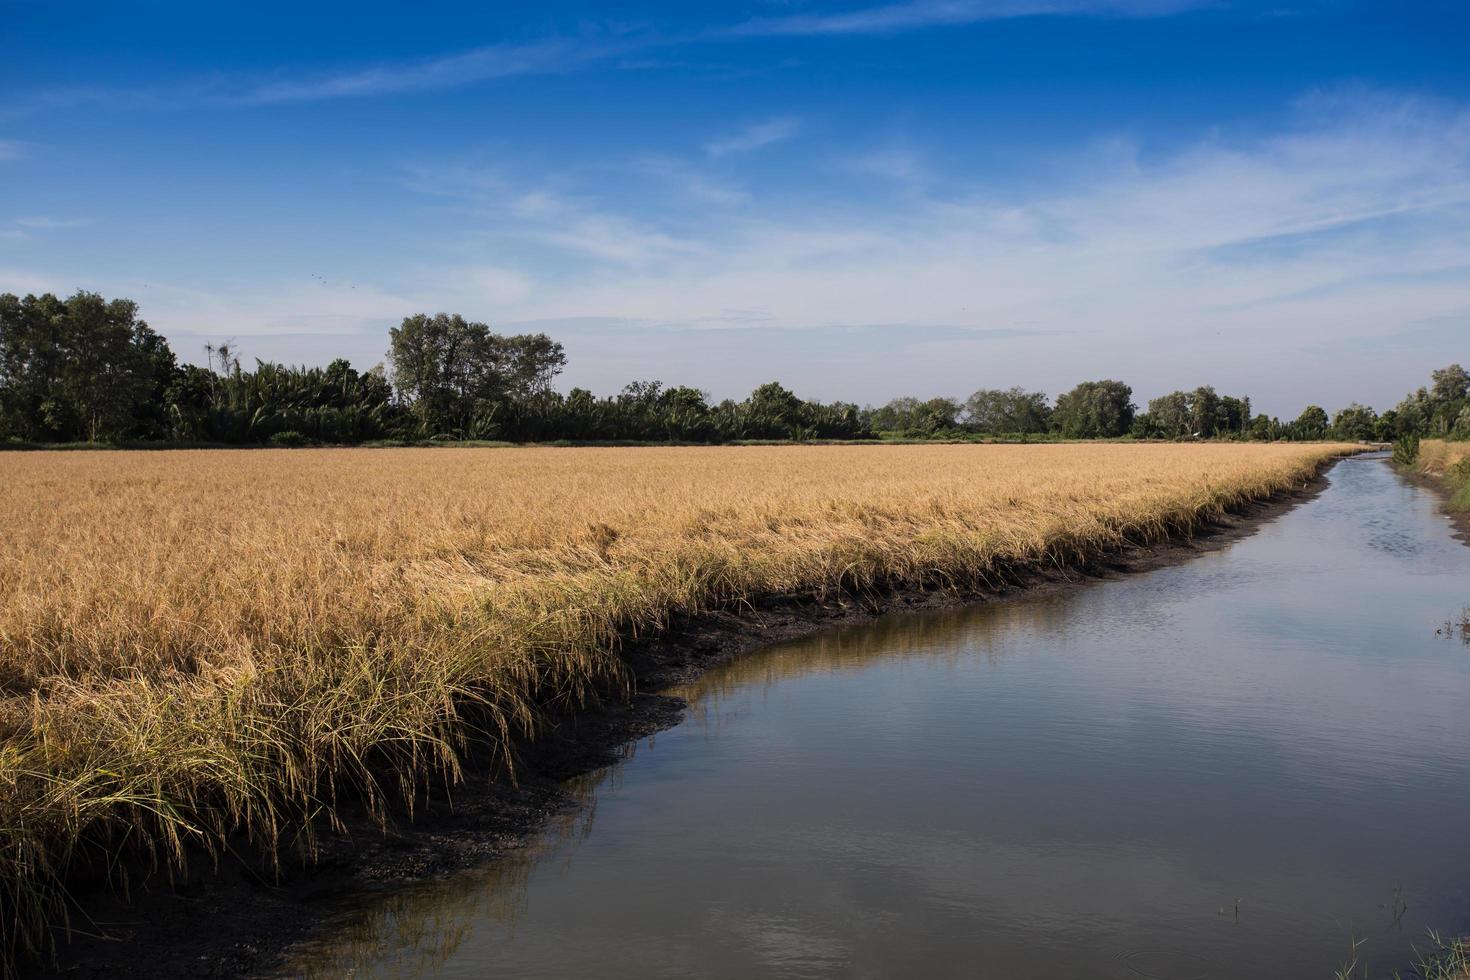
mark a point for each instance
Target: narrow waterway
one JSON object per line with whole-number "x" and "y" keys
{"x": 1233, "y": 768}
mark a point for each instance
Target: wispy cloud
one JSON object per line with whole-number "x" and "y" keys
{"x": 1353, "y": 222}
{"x": 938, "y": 13}
{"x": 552, "y": 56}
{"x": 690, "y": 182}
{"x": 754, "y": 137}
{"x": 21, "y": 229}
{"x": 555, "y": 55}
{"x": 478, "y": 65}
{"x": 546, "y": 56}
{"x": 11, "y": 150}
{"x": 51, "y": 224}
{"x": 902, "y": 165}
{"x": 22, "y": 281}
{"x": 543, "y": 213}
{"x": 1257, "y": 264}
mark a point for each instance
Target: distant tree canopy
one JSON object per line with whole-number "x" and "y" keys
{"x": 1440, "y": 409}
{"x": 1355, "y": 422}
{"x": 1197, "y": 414}
{"x": 1095, "y": 410}
{"x": 456, "y": 376}
{"x": 1311, "y": 424}
{"x": 918, "y": 419}
{"x": 279, "y": 404}
{"x": 1014, "y": 411}
{"x": 87, "y": 369}
{"x": 80, "y": 369}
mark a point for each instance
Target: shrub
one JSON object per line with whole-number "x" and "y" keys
{"x": 290, "y": 439}
{"x": 1406, "y": 450}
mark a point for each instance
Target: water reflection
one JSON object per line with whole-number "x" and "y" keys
{"x": 1238, "y": 767}
{"x": 942, "y": 638}
{"x": 413, "y": 930}
{"x": 1457, "y": 627}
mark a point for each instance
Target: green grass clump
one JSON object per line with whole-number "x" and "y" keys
{"x": 1459, "y": 481}
{"x": 1406, "y": 450}
{"x": 1449, "y": 960}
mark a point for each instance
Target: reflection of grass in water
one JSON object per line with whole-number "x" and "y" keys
{"x": 414, "y": 930}
{"x": 949, "y": 636}
{"x": 1460, "y": 628}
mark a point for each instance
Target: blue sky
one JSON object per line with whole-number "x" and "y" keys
{"x": 863, "y": 201}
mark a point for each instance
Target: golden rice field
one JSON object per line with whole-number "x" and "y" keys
{"x": 201, "y": 644}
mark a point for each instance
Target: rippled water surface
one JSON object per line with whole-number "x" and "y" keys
{"x": 1230, "y": 768}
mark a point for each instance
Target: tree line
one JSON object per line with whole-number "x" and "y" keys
{"x": 88, "y": 369}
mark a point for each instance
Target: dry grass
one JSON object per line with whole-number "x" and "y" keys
{"x": 1438, "y": 456}
{"x": 201, "y": 644}
{"x": 1450, "y": 463}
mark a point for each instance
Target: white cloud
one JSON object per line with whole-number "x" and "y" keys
{"x": 554, "y": 55}
{"x": 495, "y": 61}
{"x": 902, "y": 165}
{"x": 1300, "y": 267}
{"x": 689, "y": 182}
{"x": 479, "y": 64}
{"x": 1231, "y": 263}
{"x": 938, "y": 13}
{"x": 754, "y": 137}
{"x": 23, "y": 281}
{"x": 547, "y": 215}
{"x": 494, "y": 286}
{"x": 21, "y": 229}
{"x": 50, "y": 224}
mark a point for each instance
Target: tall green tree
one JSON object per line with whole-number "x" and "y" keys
{"x": 1233, "y": 416}
{"x": 1095, "y": 410}
{"x": 84, "y": 368}
{"x": 1200, "y": 413}
{"x": 899, "y": 415}
{"x": 1013, "y": 411}
{"x": 457, "y": 376}
{"x": 1264, "y": 428}
{"x": 1449, "y": 384}
{"x": 1311, "y": 424}
{"x": 1435, "y": 410}
{"x": 1169, "y": 415}
{"x": 1355, "y": 422}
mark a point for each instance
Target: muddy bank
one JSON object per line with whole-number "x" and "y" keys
{"x": 239, "y": 920}
{"x": 1445, "y": 491}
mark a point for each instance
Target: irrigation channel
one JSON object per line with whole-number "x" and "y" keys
{"x": 1238, "y": 767}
